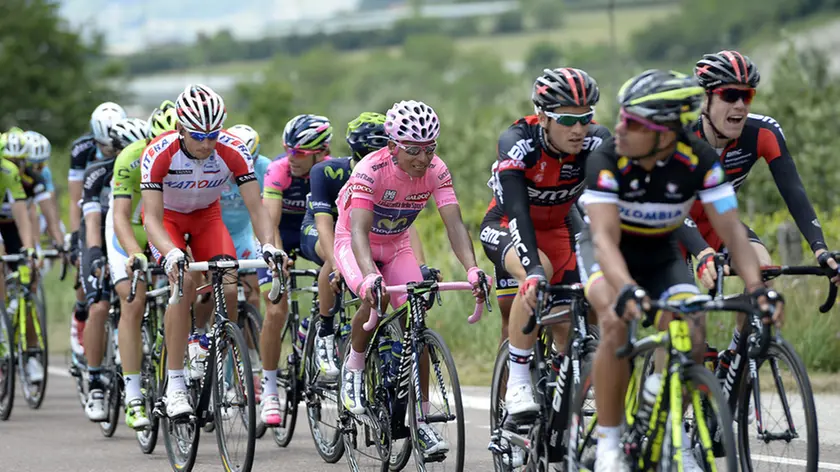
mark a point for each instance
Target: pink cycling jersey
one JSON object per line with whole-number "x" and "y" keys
{"x": 379, "y": 185}
{"x": 190, "y": 184}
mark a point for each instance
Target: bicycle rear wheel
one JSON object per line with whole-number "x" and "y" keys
{"x": 781, "y": 409}
{"x": 180, "y": 437}
{"x": 703, "y": 394}
{"x": 114, "y": 390}
{"x": 497, "y": 401}
{"x": 250, "y": 323}
{"x": 445, "y": 405}
{"x": 34, "y": 392}
{"x": 288, "y": 385}
{"x": 147, "y": 438}
{"x": 234, "y": 404}
{"x": 7, "y": 365}
{"x": 322, "y": 405}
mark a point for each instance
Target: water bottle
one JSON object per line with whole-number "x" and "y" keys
{"x": 301, "y": 335}
{"x": 649, "y": 392}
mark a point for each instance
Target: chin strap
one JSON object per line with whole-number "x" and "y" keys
{"x": 705, "y": 115}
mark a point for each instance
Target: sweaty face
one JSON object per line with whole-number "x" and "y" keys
{"x": 566, "y": 132}
{"x": 301, "y": 162}
{"x": 414, "y": 157}
{"x": 728, "y": 118}
{"x": 199, "y": 149}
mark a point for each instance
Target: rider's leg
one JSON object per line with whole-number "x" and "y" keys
{"x": 130, "y": 339}
{"x": 519, "y": 394}
{"x": 506, "y": 288}
{"x": 325, "y": 351}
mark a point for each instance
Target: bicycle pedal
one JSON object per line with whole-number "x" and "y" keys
{"x": 436, "y": 457}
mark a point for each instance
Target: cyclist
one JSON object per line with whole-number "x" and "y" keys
{"x": 640, "y": 185}
{"x": 365, "y": 134}
{"x": 536, "y": 180}
{"x": 306, "y": 139}
{"x": 16, "y": 232}
{"x": 125, "y": 241}
{"x": 742, "y": 138}
{"x": 182, "y": 175}
{"x": 96, "y": 203}
{"x": 386, "y": 192}
{"x": 39, "y": 154}
{"x": 83, "y": 152}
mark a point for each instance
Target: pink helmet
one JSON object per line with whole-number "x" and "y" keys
{"x": 412, "y": 121}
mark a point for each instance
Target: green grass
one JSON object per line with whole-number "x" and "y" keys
{"x": 583, "y": 27}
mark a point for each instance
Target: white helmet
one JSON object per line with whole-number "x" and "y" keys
{"x": 39, "y": 147}
{"x": 412, "y": 121}
{"x": 200, "y": 109}
{"x": 127, "y": 131}
{"x": 102, "y": 118}
{"x": 249, "y": 136}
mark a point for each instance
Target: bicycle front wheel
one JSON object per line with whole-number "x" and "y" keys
{"x": 34, "y": 392}
{"x": 147, "y": 438}
{"x": 322, "y": 405}
{"x": 234, "y": 405}
{"x": 7, "y": 365}
{"x": 288, "y": 384}
{"x": 711, "y": 435}
{"x": 446, "y": 410}
{"x": 786, "y": 404}
{"x": 251, "y": 325}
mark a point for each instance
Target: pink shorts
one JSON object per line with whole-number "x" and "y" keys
{"x": 395, "y": 261}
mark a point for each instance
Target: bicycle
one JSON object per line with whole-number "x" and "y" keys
{"x": 742, "y": 384}
{"x": 652, "y": 439}
{"x": 389, "y": 387}
{"x": 22, "y": 313}
{"x": 230, "y": 400}
{"x": 151, "y": 335}
{"x": 542, "y": 435}
{"x": 294, "y": 340}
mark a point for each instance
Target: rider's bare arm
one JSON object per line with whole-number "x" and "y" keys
{"x": 361, "y": 224}
{"x": 459, "y": 238}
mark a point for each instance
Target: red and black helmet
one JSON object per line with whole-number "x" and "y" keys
{"x": 564, "y": 87}
{"x": 726, "y": 68}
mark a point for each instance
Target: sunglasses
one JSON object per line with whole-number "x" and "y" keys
{"x": 732, "y": 95}
{"x": 416, "y": 149}
{"x": 567, "y": 119}
{"x": 202, "y": 136}
{"x": 636, "y": 123}
{"x": 304, "y": 152}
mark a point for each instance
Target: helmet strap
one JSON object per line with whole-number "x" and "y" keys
{"x": 708, "y": 117}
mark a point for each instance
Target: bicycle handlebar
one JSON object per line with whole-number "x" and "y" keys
{"x": 278, "y": 281}
{"x": 544, "y": 288}
{"x": 437, "y": 287}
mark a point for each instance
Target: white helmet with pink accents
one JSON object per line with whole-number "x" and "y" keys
{"x": 412, "y": 121}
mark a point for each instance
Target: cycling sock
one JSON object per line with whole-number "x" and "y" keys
{"x": 132, "y": 387}
{"x": 176, "y": 381}
{"x": 736, "y": 336}
{"x": 326, "y": 327}
{"x": 95, "y": 378}
{"x": 269, "y": 385}
{"x": 608, "y": 438}
{"x": 356, "y": 360}
{"x": 80, "y": 311}
{"x": 519, "y": 366}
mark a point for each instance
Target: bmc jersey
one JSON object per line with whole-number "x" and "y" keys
{"x": 326, "y": 179}
{"x": 653, "y": 204}
{"x": 554, "y": 181}
{"x": 280, "y": 184}
{"x": 83, "y": 152}
{"x": 762, "y": 138}
{"x": 395, "y": 198}
{"x": 234, "y": 212}
{"x": 190, "y": 184}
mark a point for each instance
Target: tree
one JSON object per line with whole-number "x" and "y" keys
{"x": 49, "y": 81}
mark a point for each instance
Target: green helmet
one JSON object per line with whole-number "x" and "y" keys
{"x": 166, "y": 105}
{"x": 162, "y": 120}
{"x": 14, "y": 144}
{"x": 366, "y": 134}
{"x": 667, "y": 98}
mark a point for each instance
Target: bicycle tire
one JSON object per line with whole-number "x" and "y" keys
{"x": 186, "y": 460}
{"x": 7, "y": 365}
{"x": 401, "y": 450}
{"x": 147, "y": 438}
{"x": 250, "y": 323}
{"x": 232, "y": 339}
{"x": 330, "y": 451}
{"x": 581, "y": 451}
{"x": 704, "y": 380}
{"x": 497, "y": 396}
{"x": 781, "y": 349}
{"x": 287, "y": 380}
{"x": 34, "y": 393}
{"x": 437, "y": 347}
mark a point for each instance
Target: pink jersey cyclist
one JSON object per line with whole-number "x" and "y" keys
{"x": 379, "y": 185}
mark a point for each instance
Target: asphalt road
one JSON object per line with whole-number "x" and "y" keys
{"x": 58, "y": 438}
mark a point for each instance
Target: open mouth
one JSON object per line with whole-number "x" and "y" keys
{"x": 418, "y": 167}
{"x": 735, "y": 119}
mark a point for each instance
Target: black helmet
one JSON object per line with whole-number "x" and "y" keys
{"x": 366, "y": 134}
{"x": 668, "y": 98}
{"x": 726, "y": 68}
{"x": 564, "y": 87}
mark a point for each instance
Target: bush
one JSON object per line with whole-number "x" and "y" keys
{"x": 543, "y": 55}
{"x": 509, "y": 22}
